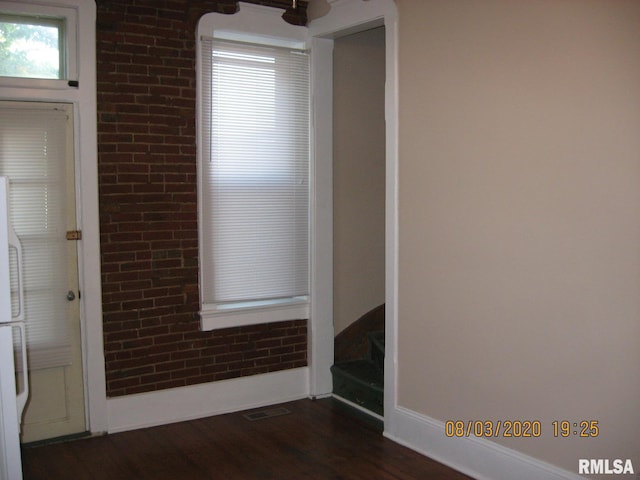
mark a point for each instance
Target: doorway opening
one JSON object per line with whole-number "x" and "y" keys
{"x": 38, "y": 158}
{"x": 359, "y": 182}
{"x": 343, "y": 19}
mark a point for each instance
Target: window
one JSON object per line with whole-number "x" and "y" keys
{"x": 254, "y": 182}
{"x": 31, "y": 47}
{"x": 38, "y": 45}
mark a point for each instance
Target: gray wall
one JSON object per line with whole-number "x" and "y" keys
{"x": 519, "y": 235}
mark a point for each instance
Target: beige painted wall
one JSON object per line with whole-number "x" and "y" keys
{"x": 519, "y": 273}
{"x": 359, "y": 175}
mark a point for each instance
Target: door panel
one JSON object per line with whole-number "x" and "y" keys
{"x": 36, "y": 153}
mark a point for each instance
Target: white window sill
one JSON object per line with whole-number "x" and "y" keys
{"x": 214, "y": 317}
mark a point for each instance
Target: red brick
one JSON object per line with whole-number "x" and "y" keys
{"x": 148, "y": 211}
{"x": 199, "y": 379}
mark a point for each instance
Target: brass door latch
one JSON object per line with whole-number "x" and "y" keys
{"x": 74, "y": 235}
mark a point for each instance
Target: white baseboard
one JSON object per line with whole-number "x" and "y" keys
{"x": 187, "y": 403}
{"x": 479, "y": 458}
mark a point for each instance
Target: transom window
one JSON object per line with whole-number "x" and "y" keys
{"x": 32, "y": 47}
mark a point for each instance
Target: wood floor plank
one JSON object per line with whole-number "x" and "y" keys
{"x": 317, "y": 440}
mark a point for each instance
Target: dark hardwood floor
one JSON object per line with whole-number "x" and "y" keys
{"x": 317, "y": 440}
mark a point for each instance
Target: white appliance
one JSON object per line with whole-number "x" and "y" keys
{"x": 13, "y": 384}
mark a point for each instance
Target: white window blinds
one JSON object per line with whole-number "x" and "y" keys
{"x": 254, "y": 174}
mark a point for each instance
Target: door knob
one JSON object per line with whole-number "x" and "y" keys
{"x": 71, "y": 296}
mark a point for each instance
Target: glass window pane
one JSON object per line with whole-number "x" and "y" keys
{"x": 30, "y": 47}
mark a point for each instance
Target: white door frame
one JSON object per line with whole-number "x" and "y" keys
{"x": 83, "y": 98}
{"x": 348, "y": 17}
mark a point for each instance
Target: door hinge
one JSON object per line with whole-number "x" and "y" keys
{"x": 74, "y": 235}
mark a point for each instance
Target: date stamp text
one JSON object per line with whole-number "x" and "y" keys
{"x": 520, "y": 428}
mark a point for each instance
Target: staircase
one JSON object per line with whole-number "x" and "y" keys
{"x": 361, "y": 380}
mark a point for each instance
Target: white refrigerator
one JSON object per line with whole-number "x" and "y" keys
{"x": 13, "y": 362}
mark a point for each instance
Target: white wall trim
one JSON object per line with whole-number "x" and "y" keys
{"x": 347, "y": 17}
{"x": 203, "y": 400}
{"x": 479, "y": 458}
{"x": 88, "y": 207}
{"x": 351, "y": 16}
{"x": 212, "y": 318}
{"x": 391, "y": 218}
{"x": 320, "y": 328}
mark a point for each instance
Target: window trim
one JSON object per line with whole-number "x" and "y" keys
{"x": 262, "y": 25}
{"x": 68, "y": 44}
{"x": 253, "y": 313}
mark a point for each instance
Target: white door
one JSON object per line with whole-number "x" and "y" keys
{"x": 36, "y": 153}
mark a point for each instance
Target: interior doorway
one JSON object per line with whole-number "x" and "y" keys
{"x": 359, "y": 183}
{"x": 37, "y": 156}
{"x": 358, "y": 175}
{"x": 345, "y": 18}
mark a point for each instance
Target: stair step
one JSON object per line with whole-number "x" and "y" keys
{"x": 378, "y": 339}
{"x": 361, "y": 382}
{"x": 376, "y": 342}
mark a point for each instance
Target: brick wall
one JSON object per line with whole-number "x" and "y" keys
{"x": 148, "y": 209}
